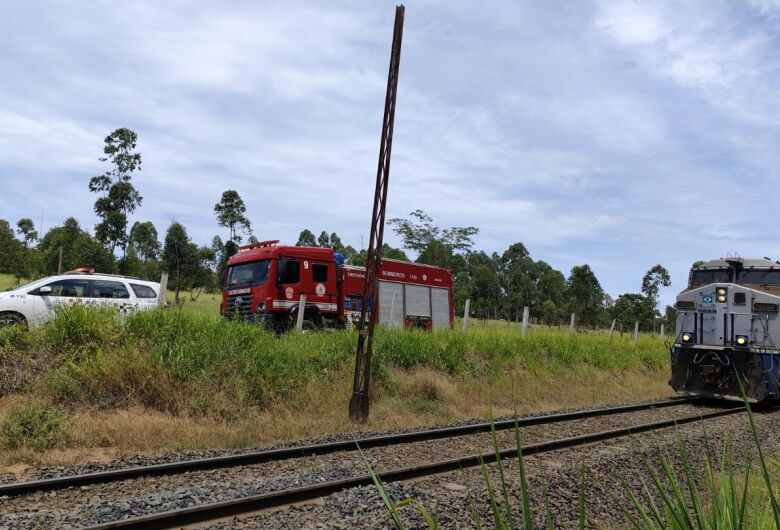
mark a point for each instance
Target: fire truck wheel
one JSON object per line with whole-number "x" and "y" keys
{"x": 308, "y": 325}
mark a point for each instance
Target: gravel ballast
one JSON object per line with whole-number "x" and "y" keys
{"x": 362, "y": 507}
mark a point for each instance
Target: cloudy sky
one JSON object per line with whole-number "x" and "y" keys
{"x": 620, "y": 133}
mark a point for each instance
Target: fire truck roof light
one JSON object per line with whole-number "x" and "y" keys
{"x": 269, "y": 243}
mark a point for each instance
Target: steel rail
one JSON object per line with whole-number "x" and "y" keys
{"x": 219, "y": 510}
{"x": 259, "y": 457}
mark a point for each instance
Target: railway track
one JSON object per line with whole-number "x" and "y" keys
{"x": 259, "y": 457}
{"x": 253, "y": 503}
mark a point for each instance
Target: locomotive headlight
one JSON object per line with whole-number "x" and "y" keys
{"x": 721, "y": 294}
{"x": 687, "y": 337}
{"x": 742, "y": 340}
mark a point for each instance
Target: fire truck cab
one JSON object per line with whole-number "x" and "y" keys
{"x": 264, "y": 283}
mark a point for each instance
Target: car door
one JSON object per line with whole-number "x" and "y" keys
{"x": 111, "y": 293}
{"x": 59, "y": 293}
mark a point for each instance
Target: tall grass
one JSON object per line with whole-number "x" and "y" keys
{"x": 162, "y": 358}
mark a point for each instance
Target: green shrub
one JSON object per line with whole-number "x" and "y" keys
{"x": 34, "y": 425}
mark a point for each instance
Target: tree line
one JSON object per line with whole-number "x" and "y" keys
{"x": 499, "y": 285}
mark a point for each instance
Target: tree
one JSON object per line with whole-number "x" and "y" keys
{"x": 11, "y": 250}
{"x": 393, "y": 253}
{"x": 336, "y": 244}
{"x": 306, "y": 239}
{"x": 485, "y": 285}
{"x": 634, "y": 307}
{"x": 143, "y": 252}
{"x": 517, "y": 272}
{"x": 435, "y": 246}
{"x": 144, "y": 241}
{"x": 652, "y": 282}
{"x": 670, "y": 320}
{"x": 26, "y": 229}
{"x": 230, "y": 212}
{"x": 25, "y": 262}
{"x": 180, "y": 257}
{"x": 585, "y": 295}
{"x": 79, "y": 249}
{"x": 119, "y": 196}
{"x": 323, "y": 240}
{"x": 550, "y": 313}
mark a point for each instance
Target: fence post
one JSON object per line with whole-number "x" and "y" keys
{"x": 525, "y": 321}
{"x": 662, "y": 332}
{"x": 636, "y": 330}
{"x": 612, "y": 327}
{"x": 571, "y": 324}
{"x": 163, "y": 289}
{"x": 466, "y": 314}
{"x": 392, "y": 311}
{"x": 301, "y": 311}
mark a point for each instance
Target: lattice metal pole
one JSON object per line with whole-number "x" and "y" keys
{"x": 358, "y": 404}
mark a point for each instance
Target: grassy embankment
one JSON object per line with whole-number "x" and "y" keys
{"x": 168, "y": 379}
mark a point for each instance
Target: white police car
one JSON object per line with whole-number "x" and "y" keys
{"x": 35, "y": 303}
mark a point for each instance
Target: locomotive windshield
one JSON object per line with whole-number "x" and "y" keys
{"x": 765, "y": 277}
{"x": 246, "y": 274}
{"x": 704, "y": 277}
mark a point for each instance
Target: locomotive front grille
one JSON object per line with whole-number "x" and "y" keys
{"x": 239, "y": 306}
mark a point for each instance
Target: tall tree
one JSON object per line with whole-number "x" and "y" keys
{"x": 230, "y": 211}
{"x": 79, "y": 249}
{"x": 652, "y": 282}
{"x": 180, "y": 257}
{"x": 586, "y": 297}
{"x": 26, "y": 263}
{"x": 144, "y": 241}
{"x": 306, "y": 239}
{"x": 323, "y": 240}
{"x": 434, "y": 246}
{"x": 26, "y": 229}
{"x": 143, "y": 252}
{"x": 11, "y": 249}
{"x": 119, "y": 197}
{"x": 486, "y": 292}
{"x": 518, "y": 275}
{"x": 335, "y": 243}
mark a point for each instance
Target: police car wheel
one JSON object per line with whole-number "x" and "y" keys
{"x": 308, "y": 325}
{"x": 10, "y": 319}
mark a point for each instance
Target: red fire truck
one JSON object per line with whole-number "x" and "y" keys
{"x": 264, "y": 283}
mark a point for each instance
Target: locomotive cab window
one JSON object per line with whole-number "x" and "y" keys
{"x": 289, "y": 271}
{"x": 319, "y": 272}
{"x": 765, "y": 277}
{"x": 706, "y": 277}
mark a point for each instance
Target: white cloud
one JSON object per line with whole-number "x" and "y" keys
{"x": 612, "y": 135}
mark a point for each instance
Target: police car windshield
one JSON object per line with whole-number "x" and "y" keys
{"x": 704, "y": 277}
{"x": 246, "y": 274}
{"x": 769, "y": 277}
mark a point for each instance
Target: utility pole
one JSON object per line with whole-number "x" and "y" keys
{"x": 358, "y": 404}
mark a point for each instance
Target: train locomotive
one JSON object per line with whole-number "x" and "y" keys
{"x": 728, "y": 329}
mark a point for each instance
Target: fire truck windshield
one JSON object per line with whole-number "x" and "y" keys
{"x": 246, "y": 274}
{"x": 705, "y": 277}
